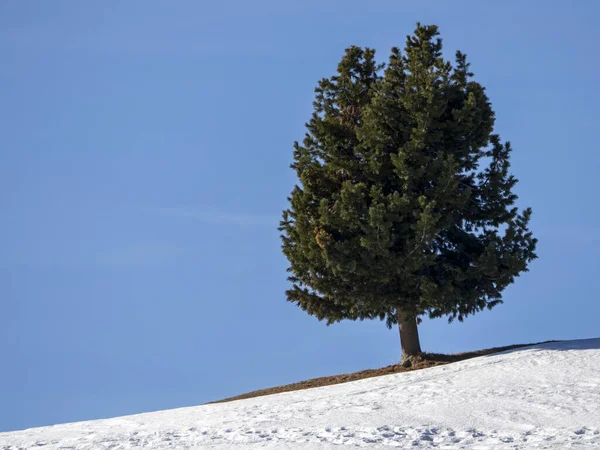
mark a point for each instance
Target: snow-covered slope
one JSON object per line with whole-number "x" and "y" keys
{"x": 546, "y": 396}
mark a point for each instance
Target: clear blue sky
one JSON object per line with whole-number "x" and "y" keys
{"x": 144, "y": 150}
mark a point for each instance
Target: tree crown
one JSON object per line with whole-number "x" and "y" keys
{"x": 405, "y": 200}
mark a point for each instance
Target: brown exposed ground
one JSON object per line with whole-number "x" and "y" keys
{"x": 424, "y": 361}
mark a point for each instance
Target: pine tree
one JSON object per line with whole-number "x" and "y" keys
{"x": 404, "y": 206}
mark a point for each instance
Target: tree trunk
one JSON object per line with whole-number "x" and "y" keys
{"x": 409, "y": 335}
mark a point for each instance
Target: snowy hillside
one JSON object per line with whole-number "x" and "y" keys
{"x": 546, "y": 396}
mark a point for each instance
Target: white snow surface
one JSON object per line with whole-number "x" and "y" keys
{"x": 543, "y": 396}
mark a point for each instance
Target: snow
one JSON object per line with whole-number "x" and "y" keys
{"x": 544, "y": 396}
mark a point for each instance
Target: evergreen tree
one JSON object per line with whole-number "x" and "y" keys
{"x": 405, "y": 206}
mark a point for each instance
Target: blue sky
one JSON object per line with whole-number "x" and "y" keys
{"x": 144, "y": 153}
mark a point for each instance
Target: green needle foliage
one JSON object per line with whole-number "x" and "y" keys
{"x": 405, "y": 202}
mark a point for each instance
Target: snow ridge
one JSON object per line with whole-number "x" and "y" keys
{"x": 544, "y": 396}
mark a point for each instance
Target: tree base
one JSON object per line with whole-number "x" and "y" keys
{"x": 411, "y": 360}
